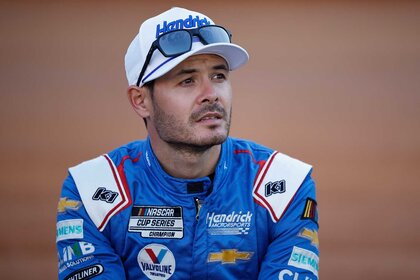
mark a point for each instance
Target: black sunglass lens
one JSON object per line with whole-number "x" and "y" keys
{"x": 214, "y": 34}
{"x": 175, "y": 43}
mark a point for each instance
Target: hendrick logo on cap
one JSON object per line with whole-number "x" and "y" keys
{"x": 189, "y": 22}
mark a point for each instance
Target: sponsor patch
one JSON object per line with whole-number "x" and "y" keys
{"x": 234, "y": 223}
{"x": 65, "y": 204}
{"x": 304, "y": 259}
{"x": 291, "y": 275}
{"x": 275, "y": 187}
{"x": 63, "y": 266}
{"x": 310, "y": 212}
{"x": 105, "y": 195}
{"x": 76, "y": 251}
{"x": 311, "y": 235}
{"x": 156, "y": 261}
{"x": 229, "y": 256}
{"x": 86, "y": 272}
{"x": 157, "y": 221}
{"x": 69, "y": 229}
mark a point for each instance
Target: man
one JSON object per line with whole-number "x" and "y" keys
{"x": 188, "y": 202}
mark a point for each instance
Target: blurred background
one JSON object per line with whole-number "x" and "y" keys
{"x": 334, "y": 83}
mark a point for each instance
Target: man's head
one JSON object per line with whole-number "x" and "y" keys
{"x": 185, "y": 98}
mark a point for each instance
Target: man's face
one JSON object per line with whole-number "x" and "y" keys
{"x": 191, "y": 104}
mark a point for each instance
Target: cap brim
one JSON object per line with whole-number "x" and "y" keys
{"x": 234, "y": 55}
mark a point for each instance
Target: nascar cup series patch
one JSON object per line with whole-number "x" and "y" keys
{"x": 157, "y": 221}
{"x": 156, "y": 261}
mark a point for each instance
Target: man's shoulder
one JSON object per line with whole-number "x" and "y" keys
{"x": 255, "y": 148}
{"x": 101, "y": 182}
{"x": 131, "y": 150}
{"x": 249, "y": 145}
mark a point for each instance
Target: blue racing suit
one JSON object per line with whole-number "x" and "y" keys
{"x": 121, "y": 216}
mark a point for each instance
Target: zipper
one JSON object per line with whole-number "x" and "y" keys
{"x": 198, "y": 203}
{"x": 199, "y": 268}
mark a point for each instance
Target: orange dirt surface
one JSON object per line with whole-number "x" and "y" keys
{"x": 333, "y": 83}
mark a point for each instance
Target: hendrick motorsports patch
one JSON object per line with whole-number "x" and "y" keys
{"x": 157, "y": 221}
{"x": 232, "y": 223}
{"x": 156, "y": 261}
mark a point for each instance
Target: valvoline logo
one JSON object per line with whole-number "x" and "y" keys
{"x": 153, "y": 257}
{"x": 156, "y": 261}
{"x": 189, "y": 22}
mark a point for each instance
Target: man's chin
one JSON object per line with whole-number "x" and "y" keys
{"x": 212, "y": 140}
{"x": 200, "y": 145}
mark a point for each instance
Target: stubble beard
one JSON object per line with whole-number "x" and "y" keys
{"x": 182, "y": 136}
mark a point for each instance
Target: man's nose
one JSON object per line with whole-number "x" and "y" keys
{"x": 208, "y": 92}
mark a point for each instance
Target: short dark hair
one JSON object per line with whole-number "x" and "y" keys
{"x": 150, "y": 86}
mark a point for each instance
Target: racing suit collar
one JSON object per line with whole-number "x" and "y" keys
{"x": 180, "y": 186}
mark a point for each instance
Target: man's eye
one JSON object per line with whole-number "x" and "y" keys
{"x": 219, "y": 76}
{"x": 187, "y": 81}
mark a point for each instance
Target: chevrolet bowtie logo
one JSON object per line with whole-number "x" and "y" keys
{"x": 65, "y": 204}
{"x": 229, "y": 256}
{"x": 312, "y": 235}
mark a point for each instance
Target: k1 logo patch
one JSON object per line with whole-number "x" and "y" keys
{"x": 105, "y": 195}
{"x": 275, "y": 187}
{"x": 156, "y": 261}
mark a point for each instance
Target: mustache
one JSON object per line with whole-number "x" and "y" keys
{"x": 215, "y": 107}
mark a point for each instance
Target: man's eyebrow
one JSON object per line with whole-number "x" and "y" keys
{"x": 221, "y": 67}
{"x": 186, "y": 71}
{"x": 193, "y": 70}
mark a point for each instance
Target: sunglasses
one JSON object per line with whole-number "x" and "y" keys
{"x": 177, "y": 42}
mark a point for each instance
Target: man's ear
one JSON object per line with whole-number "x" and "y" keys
{"x": 139, "y": 100}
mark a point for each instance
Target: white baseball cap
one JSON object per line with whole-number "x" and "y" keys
{"x": 175, "y": 18}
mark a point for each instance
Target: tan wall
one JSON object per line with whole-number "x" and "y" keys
{"x": 335, "y": 83}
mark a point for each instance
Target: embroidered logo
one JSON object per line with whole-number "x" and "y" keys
{"x": 229, "y": 256}
{"x": 86, "y": 272}
{"x": 311, "y": 235}
{"x": 69, "y": 229}
{"x": 304, "y": 259}
{"x": 156, "y": 261}
{"x": 310, "y": 212}
{"x": 157, "y": 221}
{"x": 189, "y": 22}
{"x": 233, "y": 223}
{"x": 275, "y": 187}
{"x": 65, "y": 204}
{"x": 105, "y": 195}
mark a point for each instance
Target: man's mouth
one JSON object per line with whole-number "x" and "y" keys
{"x": 210, "y": 116}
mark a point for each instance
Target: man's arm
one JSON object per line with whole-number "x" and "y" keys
{"x": 83, "y": 251}
{"x": 293, "y": 254}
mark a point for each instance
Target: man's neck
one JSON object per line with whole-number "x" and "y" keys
{"x": 187, "y": 162}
